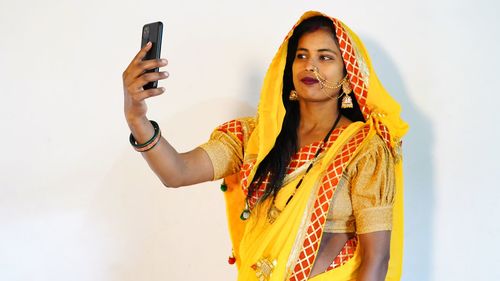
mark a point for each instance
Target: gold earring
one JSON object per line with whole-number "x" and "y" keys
{"x": 346, "y": 86}
{"x": 346, "y": 101}
{"x": 293, "y": 95}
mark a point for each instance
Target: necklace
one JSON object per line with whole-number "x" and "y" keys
{"x": 274, "y": 212}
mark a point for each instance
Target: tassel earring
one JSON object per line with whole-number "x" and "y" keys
{"x": 347, "y": 99}
{"x": 346, "y": 102}
{"x": 293, "y": 95}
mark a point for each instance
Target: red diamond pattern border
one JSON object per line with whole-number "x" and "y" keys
{"x": 233, "y": 127}
{"x": 300, "y": 158}
{"x": 310, "y": 246}
{"x": 352, "y": 66}
{"x": 345, "y": 254}
{"x": 307, "y": 153}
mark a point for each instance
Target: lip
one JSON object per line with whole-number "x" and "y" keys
{"x": 309, "y": 81}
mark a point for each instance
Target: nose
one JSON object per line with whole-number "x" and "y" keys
{"x": 310, "y": 66}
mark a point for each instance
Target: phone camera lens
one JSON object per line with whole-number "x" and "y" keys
{"x": 145, "y": 32}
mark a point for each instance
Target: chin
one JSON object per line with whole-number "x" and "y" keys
{"x": 315, "y": 98}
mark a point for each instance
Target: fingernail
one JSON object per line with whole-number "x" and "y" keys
{"x": 149, "y": 43}
{"x": 164, "y": 61}
{"x": 166, "y": 74}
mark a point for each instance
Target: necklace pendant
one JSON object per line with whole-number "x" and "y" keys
{"x": 273, "y": 214}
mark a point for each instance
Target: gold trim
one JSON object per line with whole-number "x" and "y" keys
{"x": 302, "y": 231}
{"x": 264, "y": 268}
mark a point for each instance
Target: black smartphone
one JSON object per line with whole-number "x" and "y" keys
{"x": 152, "y": 32}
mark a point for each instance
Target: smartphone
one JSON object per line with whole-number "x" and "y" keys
{"x": 152, "y": 32}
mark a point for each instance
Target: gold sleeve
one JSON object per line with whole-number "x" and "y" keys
{"x": 226, "y": 146}
{"x": 372, "y": 187}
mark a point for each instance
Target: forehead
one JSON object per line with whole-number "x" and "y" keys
{"x": 318, "y": 39}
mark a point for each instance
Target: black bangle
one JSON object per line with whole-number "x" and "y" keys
{"x": 134, "y": 143}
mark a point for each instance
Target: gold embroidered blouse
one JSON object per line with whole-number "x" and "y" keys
{"x": 364, "y": 198}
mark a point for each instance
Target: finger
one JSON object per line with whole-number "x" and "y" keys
{"x": 154, "y": 63}
{"x": 148, "y": 77}
{"x": 142, "y": 53}
{"x": 137, "y": 59}
{"x": 141, "y": 67}
{"x": 142, "y": 95}
{"x": 147, "y": 65}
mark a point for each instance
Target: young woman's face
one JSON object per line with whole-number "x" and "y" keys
{"x": 317, "y": 50}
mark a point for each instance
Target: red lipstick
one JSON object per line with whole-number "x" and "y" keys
{"x": 309, "y": 81}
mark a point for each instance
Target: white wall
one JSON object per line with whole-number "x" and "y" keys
{"x": 77, "y": 203}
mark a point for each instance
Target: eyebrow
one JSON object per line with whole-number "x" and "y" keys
{"x": 319, "y": 50}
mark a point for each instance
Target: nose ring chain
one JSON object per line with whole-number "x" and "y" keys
{"x": 325, "y": 83}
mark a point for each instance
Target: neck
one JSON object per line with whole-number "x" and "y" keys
{"x": 317, "y": 116}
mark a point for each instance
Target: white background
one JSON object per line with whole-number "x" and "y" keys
{"x": 77, "y": 203}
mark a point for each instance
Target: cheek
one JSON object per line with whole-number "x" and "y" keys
{"x": 295, "y": 71}
{"x": 337, "y": 70}
{"x": 342, "y": 68}
{"x": 294, "y": 68}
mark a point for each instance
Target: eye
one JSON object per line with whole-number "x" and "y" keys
{"x": 301, "y": 56}
{"x": 326, "y": 58}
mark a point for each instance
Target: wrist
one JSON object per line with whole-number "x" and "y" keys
{"x": 152, "y": 142}
{"x": 134, "y": 121}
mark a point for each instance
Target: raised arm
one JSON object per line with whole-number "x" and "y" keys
{"x": 174, "y": 169}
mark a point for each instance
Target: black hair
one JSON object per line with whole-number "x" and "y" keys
{"x": 276, "y": 162}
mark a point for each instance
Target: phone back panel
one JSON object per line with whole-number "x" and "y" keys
{"x": 152, "y": 32}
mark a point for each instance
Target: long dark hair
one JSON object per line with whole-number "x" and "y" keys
{"x": 276, "y": 162}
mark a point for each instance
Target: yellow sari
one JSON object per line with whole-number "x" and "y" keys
{"x": 287, "y": 248}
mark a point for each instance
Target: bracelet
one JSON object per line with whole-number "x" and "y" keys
{"x": 152, "y": 142}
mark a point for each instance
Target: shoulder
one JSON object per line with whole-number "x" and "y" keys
{"x": 372, "y": 146}
{"x": 237, "y": 130}
{"x": 373, "y": 152}
{"x": 239, "y": 125}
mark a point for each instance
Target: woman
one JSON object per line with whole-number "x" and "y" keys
{"x": 313, "y": 184}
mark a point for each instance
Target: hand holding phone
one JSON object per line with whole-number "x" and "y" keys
{"x": 140, "y": 78}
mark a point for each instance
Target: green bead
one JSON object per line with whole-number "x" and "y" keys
{"x": 223, "y": 187}
{"x": 245, "y": 215}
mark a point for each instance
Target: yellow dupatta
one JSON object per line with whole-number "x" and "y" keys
{"x": 286, "y": 249}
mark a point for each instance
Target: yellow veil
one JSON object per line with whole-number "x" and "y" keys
{"x": 283, "y": 244}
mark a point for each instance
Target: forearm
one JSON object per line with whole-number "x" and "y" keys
{"x": 173, "y": 169}
{"x": 373, "y": 269}
{"x": 163, "y": 159}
